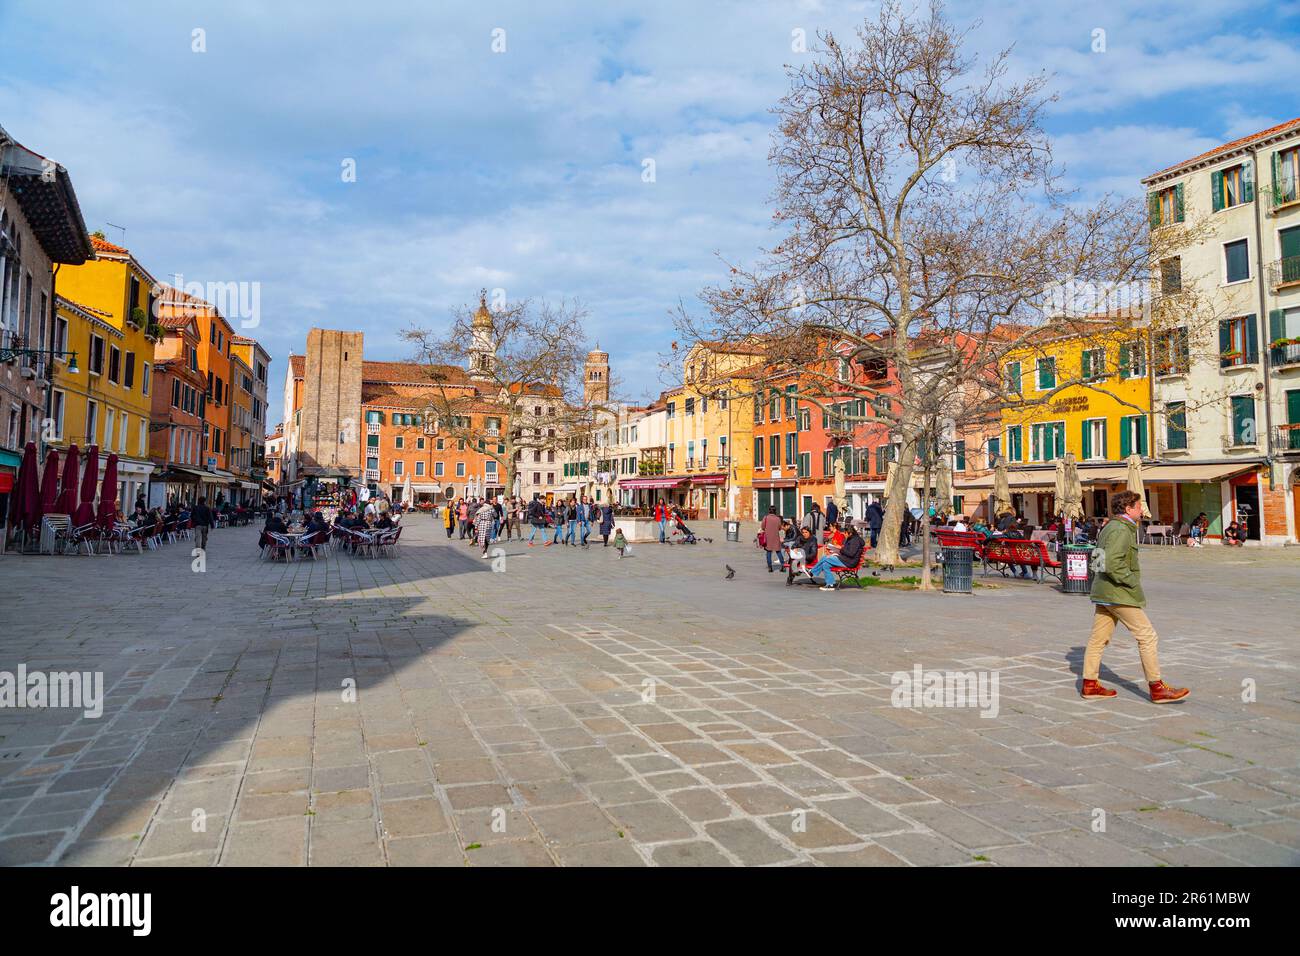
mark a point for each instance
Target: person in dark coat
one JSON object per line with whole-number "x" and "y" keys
{"x": 875, "y": 518}
{"x": 606, "y": 524}
{"x": 772, "y": 537}
{"x": 832, "y": 512}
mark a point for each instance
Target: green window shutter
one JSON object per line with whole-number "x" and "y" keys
{"x": 1153, "y": 201}
{"x": 1216, "y": 190}
{"x": 1060, "y": 439}
{"x": 1105, "y": 439}
{"x": 1276, "y": 319}
{"x": 1248, "y": 180}
{"x": 1085, "y": 364}
{"x": 1178, "y": 203}
{"x": 1252, "y": 339}
{"x": 1277, "y": 176}
{"x": 1225, "y": 337}
{"x": 1123, "y": 362}
{"x": 1243, "y": 414}
{"x": 1125, "y": 437}
{"x": 1087, "y": 441}
{"x": 1142, "y": 434}
{"x": 1293, "y": 412}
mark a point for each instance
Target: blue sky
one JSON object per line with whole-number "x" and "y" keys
{"x": 522, "y": 170}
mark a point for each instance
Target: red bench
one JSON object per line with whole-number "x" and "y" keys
{"x": 961, "y": 539}
{"x": 1002, "y": 553}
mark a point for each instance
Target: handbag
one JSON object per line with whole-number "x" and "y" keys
{"x": 762, "y": 541}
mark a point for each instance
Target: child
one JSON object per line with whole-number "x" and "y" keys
{"x": 620, "y": 542}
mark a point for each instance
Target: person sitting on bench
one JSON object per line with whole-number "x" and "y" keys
{"x": 849, "y": 556}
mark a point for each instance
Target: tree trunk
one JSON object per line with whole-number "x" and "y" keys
{"x": 926, "y": 583}
{"x": 895, "y": 505}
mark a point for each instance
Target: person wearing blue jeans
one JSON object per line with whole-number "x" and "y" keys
{"x": 661, "y": 515}
{"x": 850, "y": 556}
{"x": 571, "y": 514}
{"x": 584, "y": 519}
{"x": 558, "y": 514}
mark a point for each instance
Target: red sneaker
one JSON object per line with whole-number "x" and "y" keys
{"x": 1162, "y": 693}
{"x": 1092, "y": 690}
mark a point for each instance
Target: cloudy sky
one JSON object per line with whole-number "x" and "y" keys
{"x": 522, "y": 169}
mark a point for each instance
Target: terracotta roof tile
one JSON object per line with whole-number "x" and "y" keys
{"x": 1229, "y": 147}
{"x": 412, "y": 372}
{"x": 103, "y": 245}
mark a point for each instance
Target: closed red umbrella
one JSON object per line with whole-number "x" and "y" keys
{"x": 108, "y": 493}
{"x": 49, "y": 484}
{"x": 85, "y": 512}
{"x": 67, "y": 502}
{"x": 26, "y": 496}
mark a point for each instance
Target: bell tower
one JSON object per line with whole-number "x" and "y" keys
{"x": 595, "y": 378}
{"x": 483, "y": 344}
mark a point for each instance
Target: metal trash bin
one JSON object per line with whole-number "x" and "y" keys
{"x": 1077, "y": 573}
{"x": 733, "y": 530}
{"x": 958, "y": 565}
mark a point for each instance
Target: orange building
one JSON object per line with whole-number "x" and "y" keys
{"x": 176, "y": 429}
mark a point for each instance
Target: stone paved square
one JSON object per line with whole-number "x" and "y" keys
{"x": 582, "y": 710}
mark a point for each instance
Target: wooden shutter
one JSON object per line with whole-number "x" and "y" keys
{"x": 1225, "y": 340}
{"x": 1125, "y": 439}
{"x": 1059, "y": 430}
{"x": 1276, "y": 323}
{"x": 1142, "y": 434}
{"x": 1178, "y": 203}
{"x": 1123, "y": 362}
{"x": 1153, "y": 201}
{"x": 1216, "y": 190}
{"x": 1252, "y": 339}
{"x": 1085, "y": 365}
{"x": 1277, "y": 176}
{"x": 1248, "y": 181}
{"x": 1087, "y": 440}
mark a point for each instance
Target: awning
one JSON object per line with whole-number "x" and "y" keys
{"x": 763, "y": 483}
{"x": 1211, "y": 472}
{"x": 860, "y": 486}
{"x": 426, "y": 488}
{"x": 250, "y": 485}
{"x": 708, "y": 479}
{"x": 567, "y": 489}
{"x": 635, "y": 483}
{"x": 1044, "y": 479}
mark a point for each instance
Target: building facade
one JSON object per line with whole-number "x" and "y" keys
{"x": 176, "y": 427}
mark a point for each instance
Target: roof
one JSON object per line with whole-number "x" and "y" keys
{"x": 1236, "y": 144}
{"x": 414, "y": 372}
{"x": 49, "y": 203}
{"x": 102, "y": 245}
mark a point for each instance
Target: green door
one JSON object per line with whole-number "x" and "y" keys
{"x": 1203, "y": 496}
{"x": 788, "y": 502}
{"x": 764, "y": 502}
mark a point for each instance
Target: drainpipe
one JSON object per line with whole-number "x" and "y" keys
{"x": 49, "y": 372}
{"x": 1265, "y": 356}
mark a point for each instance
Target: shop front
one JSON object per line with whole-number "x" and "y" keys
{"x": 646, "y": 492}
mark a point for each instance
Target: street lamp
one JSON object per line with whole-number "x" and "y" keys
{"x": 12, "y": 353}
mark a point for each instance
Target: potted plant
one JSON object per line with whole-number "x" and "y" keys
{"x": 139, "y": 317}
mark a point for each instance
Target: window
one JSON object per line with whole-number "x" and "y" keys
{"x": 460, "y": 444}
{"x": 1046, "y": 374}
{"x": 1093, "y": 364}
{"x": 1238, "y": 344}
{"x": 805, "y": 464}
{"x": 1169, "y": 352}
{"x": 460, "y": 469}
{"x": 758, "y": 411}
{"x": 490, "y": 468}
{"x": 791, "y": 448}
{"x": 398, "y": 467}
{"x": 1013, "y": 377}
{"x": 550, "y": 477}
{"x": 1094, "y": 439}
{"x": 1132, "y": 360}
{"x": 438, "y": 444}
{"x": 176, "y": 393}
{"x": 398, "y": 441}
{"x": 993, "y": 448}
{"x": 805, "y": 419}
{"x": 114, "y": 365}
{"x": 1243, "y": 420}
{"x": 1176, "y": 425}
{"x": 1015, "y": 448}
{"x": 690, "y": 454}
{"x": 56, "y": 412}
{"x": 774, "y": 450}
{"x": 1132, "y": 435}
{"x": 959, "y": 456}
{"x": 437, "y": 469}
{"x": 690, "y": 407}
{"x": 110, "y": 420}
{"x": 144, "y": 378}
{"x": 790, "y": 401}
{"x": 1232, "y": 186}
{"x": 419, "y": 444}
{"x": 1286, "y": 174}
{"x": 96, "y": 363}
{"x": 1236, "y": 261}
{"x": 123, "y": 428}
{"x": 1165, "y": 206}
{"x": 1171, "y": 275}
{"x": 672, "y": 410}
{"x": 1047, "y": 441}
{"x": 774, "y": 406}
{"x": 758, "y": 452}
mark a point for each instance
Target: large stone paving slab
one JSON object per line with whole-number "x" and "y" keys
{"x": 577, "y": 709}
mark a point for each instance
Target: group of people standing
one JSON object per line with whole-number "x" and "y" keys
{"x": 570, "y": 522}
{"x": 817, "y": 545}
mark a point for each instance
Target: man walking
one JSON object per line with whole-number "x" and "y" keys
{"x": 202, "y": 518}
{"x": 875, "y": 518}
{"x": 584, "y": 519}
{"x": 536, "y": 518}
{"x": 661, "y": 516}
{"x": 1118, "y": 598}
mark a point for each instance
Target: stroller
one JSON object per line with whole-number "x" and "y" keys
{"x": 688, "y": 536}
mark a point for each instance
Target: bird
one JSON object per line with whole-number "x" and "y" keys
{"x": 731, "y": 572}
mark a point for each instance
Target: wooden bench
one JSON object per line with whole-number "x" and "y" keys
{"x": 1002, "y": 553}
{"x": 961, "y": 539}
{"x": 849, "y": 574}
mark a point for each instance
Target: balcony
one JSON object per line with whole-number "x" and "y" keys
{"x": 372, "y": 474}
{"x": 1284, "y": 273}
{"x": 372, "y": 428}
{"x": 1287, "y": 353}
{"x": 1280, "y": 198}
{"x": 1286, "y": 438}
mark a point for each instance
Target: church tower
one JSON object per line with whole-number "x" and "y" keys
{"x": 483, "y": 345}
{"x": 595, "y": 380}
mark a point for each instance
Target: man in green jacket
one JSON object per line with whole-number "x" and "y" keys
{"x": 1118, "y": 598}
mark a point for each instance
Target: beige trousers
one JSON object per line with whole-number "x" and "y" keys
{"x": 1103, "y": 626}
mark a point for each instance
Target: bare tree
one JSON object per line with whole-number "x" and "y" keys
{"x": 924, "y": 219}
{"x": 523, "y": 390}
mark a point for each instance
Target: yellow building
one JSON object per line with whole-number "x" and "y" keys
{"x": 104, "y": 311}
{"x": 1099, "y": 411}
{"x": 710, "y": 430}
